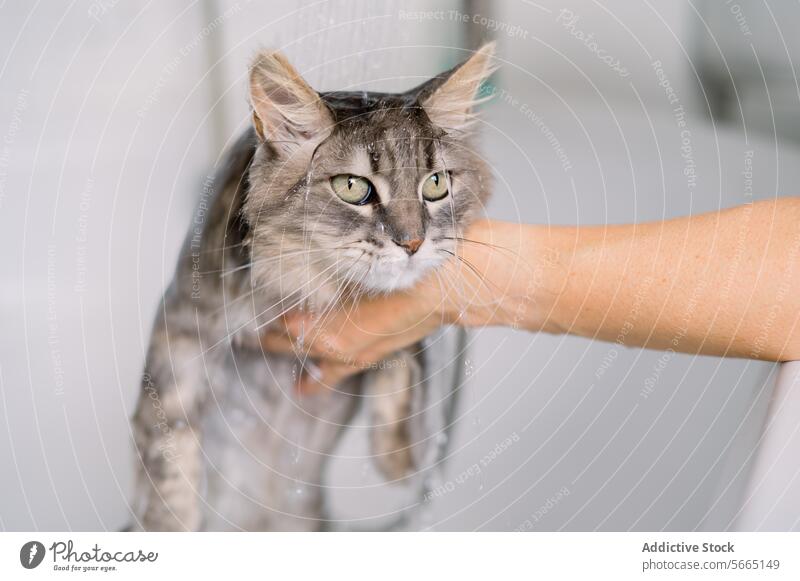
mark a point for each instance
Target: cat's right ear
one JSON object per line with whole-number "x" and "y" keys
{"x": 450, "y": 98}
{"x": 285, "y": 108}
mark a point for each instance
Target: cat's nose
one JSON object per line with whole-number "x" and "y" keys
{"x": 410, "y": 245}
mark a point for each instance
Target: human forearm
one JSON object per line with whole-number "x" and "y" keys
{"x": 724, "y": 283}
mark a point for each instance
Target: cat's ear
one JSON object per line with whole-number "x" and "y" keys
{"x": 450, "y": 99}
{"x": 285, "y": 108}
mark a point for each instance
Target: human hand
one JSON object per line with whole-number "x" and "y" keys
{"x": 488, "y": 281}
{"x": 357, "y": 336}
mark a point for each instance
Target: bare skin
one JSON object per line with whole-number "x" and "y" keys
{"x": 725, "y": 283}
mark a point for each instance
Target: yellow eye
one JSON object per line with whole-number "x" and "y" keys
{"x": 352, "y": 189}
{"x": 435, "y": 187}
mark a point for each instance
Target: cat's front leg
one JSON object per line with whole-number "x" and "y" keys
{"x": 166, "y": 427}
{"x": 391, "y": 388}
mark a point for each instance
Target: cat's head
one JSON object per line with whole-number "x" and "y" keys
{"x": 361, "y": 188}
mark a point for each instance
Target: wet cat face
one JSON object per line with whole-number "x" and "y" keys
{"x": 363, "y": 189}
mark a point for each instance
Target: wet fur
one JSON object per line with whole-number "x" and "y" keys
{"x": 224, "y": 441}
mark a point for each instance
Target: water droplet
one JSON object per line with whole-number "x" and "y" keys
{"x": 308, "y": 184}
{"x": 468, "y": 368}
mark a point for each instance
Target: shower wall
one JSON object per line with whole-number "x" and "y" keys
{"x": 112, "y": 115}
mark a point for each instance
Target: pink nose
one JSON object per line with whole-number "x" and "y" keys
{"x": 410, "y": 246}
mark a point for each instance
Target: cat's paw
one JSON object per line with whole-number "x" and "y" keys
{"x": 391, "y": 448}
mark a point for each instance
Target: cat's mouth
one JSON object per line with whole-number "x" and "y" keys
{"x": 396, "y": 270}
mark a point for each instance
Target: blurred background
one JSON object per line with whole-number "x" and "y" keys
{"x": 113, "y": 113}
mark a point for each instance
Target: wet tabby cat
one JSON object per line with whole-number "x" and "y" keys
{"x": 325, "y": 195}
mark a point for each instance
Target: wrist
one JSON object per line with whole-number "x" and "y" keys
{"x": 520, "y": 272}
{"x": 551, "y": 251}
{"x": 478, "y": 285}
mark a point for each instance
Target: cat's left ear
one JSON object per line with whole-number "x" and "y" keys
{"x": 449, "y": 100}
{"x": 285, "y": 108}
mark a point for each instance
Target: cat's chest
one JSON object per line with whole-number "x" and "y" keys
{"x": 243, "y": 321}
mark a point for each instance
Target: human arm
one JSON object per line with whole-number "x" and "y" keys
{"x": 722, "y": 283}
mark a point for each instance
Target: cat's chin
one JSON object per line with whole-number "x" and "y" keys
{"x": 397, "y": 275}
{"x": 392, "y": 283}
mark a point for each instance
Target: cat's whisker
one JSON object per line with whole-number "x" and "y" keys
{"x": 301, "y": 289}
{"x": 480, "y": 243}
{"x": 298, "y": 302}
{"x": 449, "y": 282}
{"x": 254, "y": 289}
{"x": 219, "y": 249}
{"x": 282, "y": 255}
{"x": 469, "y": 265}
{"x": 443, "y": 289}
{"x": 309, "y": 294}
{"x": 296, "y": 270}
{"x": 459, "y": 282}
{"x": 355, "y": 289}
{"x": 342, "y": 303}
{"x": 337, "y": 265}
{"x": 244, "y": 325}
{"x": 451, "y": 202}
{"x": 332, "y": 302}
{"x": 482, "y": 280}
{"x": 332, "y": 305}
{"x": 337, "y": 295}
{"x": 266, "y": 260}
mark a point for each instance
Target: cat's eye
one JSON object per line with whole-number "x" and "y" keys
{"x": 352, "y": 189}
{"x": 435, "y": 187}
